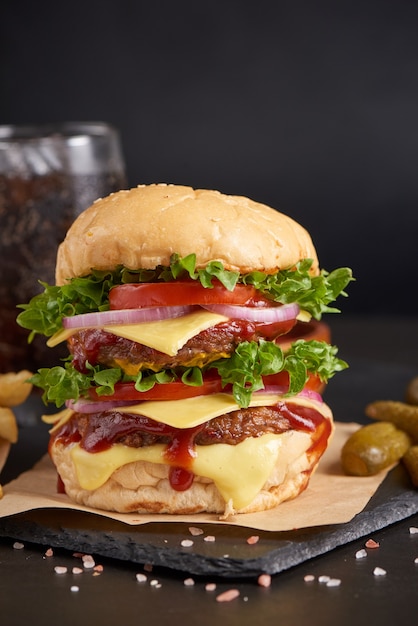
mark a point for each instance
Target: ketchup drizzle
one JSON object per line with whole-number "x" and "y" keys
{"x": 97, "y": 432}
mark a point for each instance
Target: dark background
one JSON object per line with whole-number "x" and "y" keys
{"x": 310, "y": 107}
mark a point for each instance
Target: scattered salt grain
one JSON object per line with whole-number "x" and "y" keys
{"x": 59, "y": 569}
{"x": 49, "y": 552}
{"x": 264, "y": 580}
{"x": 413, "y": 530}
{"x": 187, "y": 543}
{"x": 88, "y": 561}
{"x": 74, "y": 588}
{"x": 188, "y": 582}
{"x": 309, "y": 578}
{"x": 228, "y": 595}
{"x": 416, "y": 561}
{"x": 253, "y": 539}
{"x": 361, "y": 554}
{"x": 18, "y": 546}
{"x": 371, "y": 544}
{"x": 195, "y": 532}
{"x": 334, "y": 582}
{"x": 209, "y": 538}
{"x": 155, "y": 583}
{"x": 141, "y": 578}
{"x": 379, "y": 571}
{"x": 323, "y": 579}
{"x": 210, "y": 586}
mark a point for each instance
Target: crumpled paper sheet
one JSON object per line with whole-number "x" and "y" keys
{"x": 331, "y": 497}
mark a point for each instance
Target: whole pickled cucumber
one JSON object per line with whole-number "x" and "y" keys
{"x": 373, "y": 448}
{"x": 402, "y": 415}
{"x": 410, "y": 460}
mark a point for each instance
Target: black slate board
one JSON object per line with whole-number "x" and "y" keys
{"x": 230, "y": 555}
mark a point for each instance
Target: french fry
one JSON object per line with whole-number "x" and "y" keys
{"x": 14, "y": 388}
{"x": 8, "y": 425}
{"x": 410, "y": 460}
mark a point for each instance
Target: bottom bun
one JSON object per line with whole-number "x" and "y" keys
{"x": 144, "y": 487}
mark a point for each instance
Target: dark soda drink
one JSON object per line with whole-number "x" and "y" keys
{"x": 41, "y": 192}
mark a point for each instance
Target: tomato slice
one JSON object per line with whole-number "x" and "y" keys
{"x": 282, "y": 379}
{"x": 175, "y": 390}
{"x": 137, "y": 295}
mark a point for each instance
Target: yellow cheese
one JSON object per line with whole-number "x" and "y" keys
{"x": 167, "y": 336}
{"x": 239, "y": 471}
{"x": 191, "y": 412}
{"x": 60, "y": 336}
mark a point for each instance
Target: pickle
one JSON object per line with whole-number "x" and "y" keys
{"x": 410, "y": 461}
{"x": 411, "y": 393}
{"x": 373, "y": 448}
{"x": 403, "y": 416}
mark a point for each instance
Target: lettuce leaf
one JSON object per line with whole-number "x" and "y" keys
{"x": 45, "y": 311}
{"x": 244, "y": 370}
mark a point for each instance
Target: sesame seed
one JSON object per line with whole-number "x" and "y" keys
{"x": 187, "y": 543}
{"x": 188, "y": 582}
{"x": 18, "y": 545}
{"x": 60, "y": 569}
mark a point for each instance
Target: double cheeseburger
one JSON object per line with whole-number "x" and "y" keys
{"x": 186, "y": 388}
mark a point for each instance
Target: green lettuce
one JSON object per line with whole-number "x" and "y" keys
{"x": 45, "y": 311}
{"x": 244, "y": 370}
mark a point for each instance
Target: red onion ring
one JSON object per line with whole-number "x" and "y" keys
{"x": 283, "y": 389}
{"x": 266, "y": 315}
{"x": 92, "y": 406}
{"x": 125, "y": 316}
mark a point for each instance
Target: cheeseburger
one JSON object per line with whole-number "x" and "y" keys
{"x": 186, "y": 388}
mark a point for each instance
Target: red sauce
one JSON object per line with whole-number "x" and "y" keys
{"x": 88, "y": 344}
{"x": 97, "y": 432}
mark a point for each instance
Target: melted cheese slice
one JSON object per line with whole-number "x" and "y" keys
{"x": 239, "y": 472}
{"x": 167, "y": 336}
{"x": 191, "y": 412}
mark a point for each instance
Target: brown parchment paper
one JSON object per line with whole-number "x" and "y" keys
{"x": 331, "y": 497}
